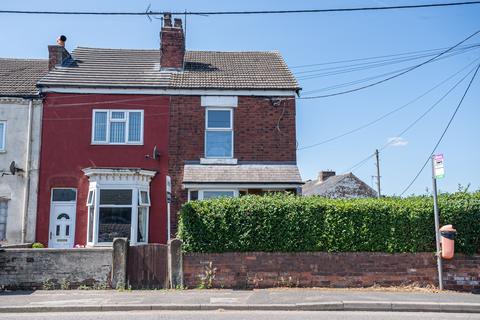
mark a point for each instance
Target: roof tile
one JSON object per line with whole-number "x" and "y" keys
{"x": 19, "y": 76}
{"x": 203, "y": 70}
{"x": 198, "y": 173}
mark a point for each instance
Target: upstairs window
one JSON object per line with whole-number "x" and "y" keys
{"x": 117, "y": 127}
{"x": 219, "y": 133}
{"x": 3, "y": 133}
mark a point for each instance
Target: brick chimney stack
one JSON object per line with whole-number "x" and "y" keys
{"x": 324, "y": 175}
{"x": 172, "y": 44}
{"x": 57, "y": 53}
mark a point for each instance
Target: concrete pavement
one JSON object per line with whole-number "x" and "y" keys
{"x": 259, "y": 300}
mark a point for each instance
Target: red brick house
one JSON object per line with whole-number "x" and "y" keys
{"x": 221, "y": 124}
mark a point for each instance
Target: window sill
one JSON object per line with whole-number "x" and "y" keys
{"x": 218, "y": 161}
{"x": 116, "y": 144}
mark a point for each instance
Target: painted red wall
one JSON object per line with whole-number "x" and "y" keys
{"x": 67, "y": 149}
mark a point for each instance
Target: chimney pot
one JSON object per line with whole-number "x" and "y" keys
{"x": 324, "y": 175}
{"x": 167, "y": 20}
{"x": 61, "y": 40}
{"x": 177, "y": 23}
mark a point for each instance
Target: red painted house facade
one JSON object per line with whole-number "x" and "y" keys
{"x": 117, "y": 122}
{"x": 74, "y": 166}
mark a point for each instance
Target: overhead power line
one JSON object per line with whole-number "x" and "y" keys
{"x": 373, "y": 58}
{"x": 395, "y": 75}
{"x": 149, "y": 12}
{"x": 365, "y": 62}
{"x": 443, "y": 133}
{"x": 370, "y": 123}
{"x": 327, "y": 72}
{"x": 363, "y": 161}
{"x": 368, "y": 79}
{"x": 428, "y": 110}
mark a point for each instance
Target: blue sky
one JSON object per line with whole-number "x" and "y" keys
{"x": 311, "y": 39}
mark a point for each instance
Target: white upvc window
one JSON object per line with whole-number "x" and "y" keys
{"x": 204, "y": 194}
{"x": 117, "y": 127}
{"x": 117, "y": 212}
{"x": 218, "y": 132}
{"x": 3, "y": 135}
{"x": 3, "y": 219}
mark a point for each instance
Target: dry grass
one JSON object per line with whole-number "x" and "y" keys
{"x": 412, "y": 287}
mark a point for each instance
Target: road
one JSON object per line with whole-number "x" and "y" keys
{"x": 239, "y": 315}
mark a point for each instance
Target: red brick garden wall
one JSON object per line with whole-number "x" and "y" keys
{"x": 335, "y": 270}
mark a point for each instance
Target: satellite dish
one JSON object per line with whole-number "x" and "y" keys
{"x": 156, "y": 153}
{"x": 14, "y": 169}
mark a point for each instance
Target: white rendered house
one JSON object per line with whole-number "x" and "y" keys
{"x": 20, "y": 132}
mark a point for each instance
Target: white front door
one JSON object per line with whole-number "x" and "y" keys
{"x": 62, "y": 218}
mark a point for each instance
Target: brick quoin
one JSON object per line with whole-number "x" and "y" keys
{"x": 262, "y": 132}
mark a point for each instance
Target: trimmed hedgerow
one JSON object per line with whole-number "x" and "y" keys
{"x": 290, "y": 224}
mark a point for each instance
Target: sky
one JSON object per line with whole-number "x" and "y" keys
{"x": 306, "y": 39}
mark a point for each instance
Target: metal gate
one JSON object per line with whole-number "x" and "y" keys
{"x": 147, "y": 266}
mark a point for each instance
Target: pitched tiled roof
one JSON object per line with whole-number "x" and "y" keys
{"x": 18, "y": 77}
{"x": 246, "y": 173}
{"x": 128, "y": 68}
{"x": 245, "y": 70}
{"x": 339, "y": 186}
{"x": 110, "y": 68}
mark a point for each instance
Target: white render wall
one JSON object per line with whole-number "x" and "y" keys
{"x": 12, "y": 188}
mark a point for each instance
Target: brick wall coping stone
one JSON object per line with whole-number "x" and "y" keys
{"x": 66, "y": 250}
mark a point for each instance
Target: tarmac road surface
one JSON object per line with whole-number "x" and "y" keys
{"x": 238, "y": 315}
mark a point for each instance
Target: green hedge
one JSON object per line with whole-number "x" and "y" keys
{"x": 288, "y": 223}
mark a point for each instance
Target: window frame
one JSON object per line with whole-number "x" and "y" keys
{"x": 5, "y": 203}
{"x": 62, "y": 188}
{"x": 3, "y": 142}
{"x": 140, "y": 202}
{"x": 201, "y": 192}
{"x": 126, "y": 120}
{"x": 135, "y": 205}
{"x": 229, "y": 129}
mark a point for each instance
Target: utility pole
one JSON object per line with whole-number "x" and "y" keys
{"x": 437, "y": 172}
{"x": 378, "y": 173}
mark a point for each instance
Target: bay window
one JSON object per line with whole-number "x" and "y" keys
{"x": 117, "y": 127}
{"x": 118, "y": 213}
{"x": 118, "y": 205}
{"x": 219, "y": 133}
